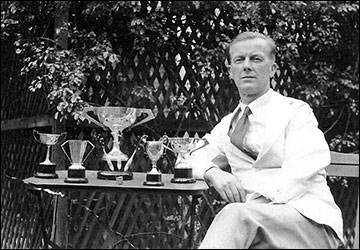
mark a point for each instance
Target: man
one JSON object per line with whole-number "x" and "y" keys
{"x": 277, "y": 190}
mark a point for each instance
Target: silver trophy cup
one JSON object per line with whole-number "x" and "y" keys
{"x": 116, "y": 119}
{"x": 77, "y": 151}
{"x": 182, "y": 146}
{"x": 154, "y": 150}
{"x": 47, "y": 169}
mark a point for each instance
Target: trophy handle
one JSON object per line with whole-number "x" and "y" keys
{"x": 205, "y": 143}
{"x": 92, "y": 147}
{"x": 84, "y": 113}
{"x": 165, "y": 139}
{"x": 36, "y": 136}
{"x": 62, "y": 137}
{"x": 148, "y": 118}
{"x": 62, "y": 146}
{"x": 169, "y": 141}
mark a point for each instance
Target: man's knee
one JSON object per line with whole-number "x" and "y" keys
{"x": 236, "y": 211}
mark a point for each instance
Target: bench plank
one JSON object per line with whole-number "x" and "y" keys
{"x": 344, "y": 158}
{"x": 343, "y": 164}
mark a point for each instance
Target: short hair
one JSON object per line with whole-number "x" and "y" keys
{"x": 248, "y": 35}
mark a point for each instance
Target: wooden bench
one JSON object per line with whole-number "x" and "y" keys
{"x": 346, "y": 165}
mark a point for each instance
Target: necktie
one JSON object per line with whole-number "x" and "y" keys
{"x": 237, "y": 134}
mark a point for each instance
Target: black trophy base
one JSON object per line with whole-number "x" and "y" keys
{"x": 111, "y": 175}
{"x": 46, "y": 171}
{"x": 46, "y": 175}
{"x": 183, "y": 175}
{"x": 183, "y": 180}
{"x": 153, "y": 180}
{"x": 76, "y": 176}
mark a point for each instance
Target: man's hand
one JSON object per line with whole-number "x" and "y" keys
{"x": 227, "y": 185}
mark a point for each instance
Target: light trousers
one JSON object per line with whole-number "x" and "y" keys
{"x": 265, "y": 226}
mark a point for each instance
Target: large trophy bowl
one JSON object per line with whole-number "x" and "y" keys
{"x": 47, "y": 169}
{"x": 116, "y": 119}
{"x": 77, "y": 151}
{"x": 183, "y": 146}
{"x": 154, "y": 150}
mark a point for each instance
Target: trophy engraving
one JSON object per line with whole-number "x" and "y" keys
{"x": 116, "y": 119}
{"x": 182, "y": 146}
{"x": 47, "y": 169}
{"x": 154, "y": 150}
{"x": 77, "y": 151}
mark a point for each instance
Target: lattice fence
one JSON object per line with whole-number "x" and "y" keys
{"x": 346, "y": 193}
{"x": 136, "y": 221}
{"x": 20, "y": 226}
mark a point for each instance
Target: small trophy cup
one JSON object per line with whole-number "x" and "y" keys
{"x": 116, "y": 119}
{"x": 154, "y": 149}
{"x": 77, "y": 151}
{"x": 46, "y": 169}
{"x": 183, "y": 146}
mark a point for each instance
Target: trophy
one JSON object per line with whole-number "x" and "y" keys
{"x": 116, "y": 119}
{"x": 77, "y": 151}
{"x": 46, "y": 169}
{"x": 154, "y": 150}
{"x": 183, "y": 146}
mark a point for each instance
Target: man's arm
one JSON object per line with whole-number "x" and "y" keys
{"x": 210, "y": 163}
{"x": 306, "y": 156}
{"x": 211, "y": 155}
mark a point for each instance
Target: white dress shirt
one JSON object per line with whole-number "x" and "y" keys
{"x": 256, "y": 131}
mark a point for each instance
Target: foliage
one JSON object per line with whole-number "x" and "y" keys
{"x": 59, "y": 73}
{"x": 317, "y": 53}
{"x": 63, "y": 74}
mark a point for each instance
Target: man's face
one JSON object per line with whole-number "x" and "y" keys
{"x": 251, "y": 68}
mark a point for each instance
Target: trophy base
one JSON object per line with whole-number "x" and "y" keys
{"x": 76, "y": 180}
{"x": 76, "y": 176}
{"x": 183, "y": 175}
{"x": 46, "y": 175}
{"x": 46, "y": 171}
{"x": 183, "y": 180}
{"x": 111, "y": 175}
{"x": 153, "y": 180}
{"x": 153, "y": 183}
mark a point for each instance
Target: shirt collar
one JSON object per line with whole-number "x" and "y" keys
{"x": 258, "y": 105}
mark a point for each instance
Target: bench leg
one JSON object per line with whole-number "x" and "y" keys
{"x": 356, "y": 239}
